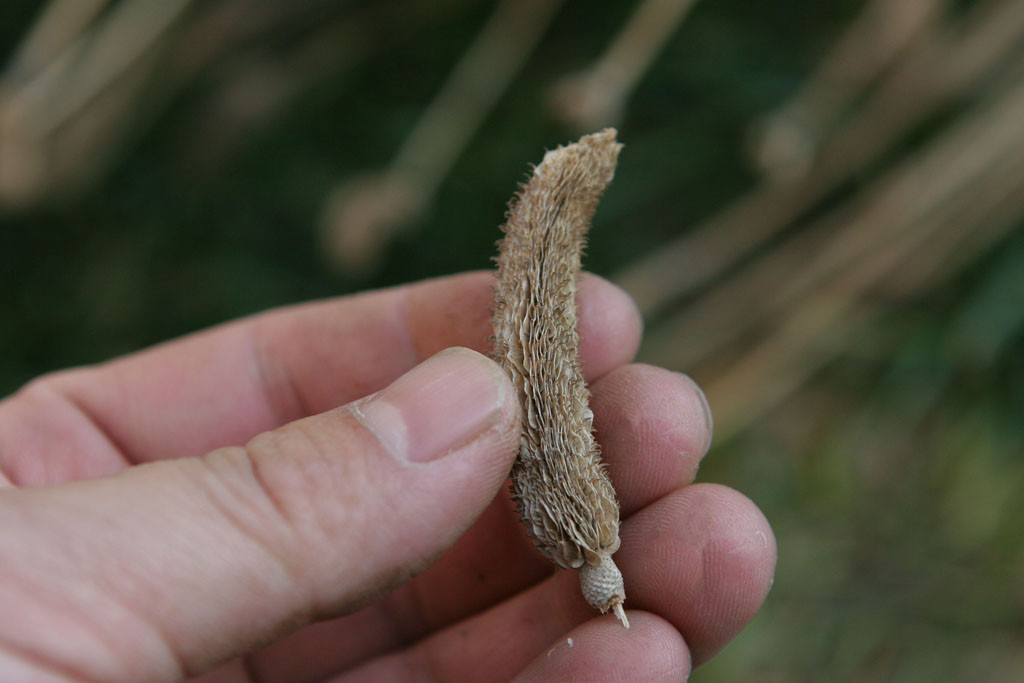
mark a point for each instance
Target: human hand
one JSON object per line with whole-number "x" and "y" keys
{"x": 129, "y": 555}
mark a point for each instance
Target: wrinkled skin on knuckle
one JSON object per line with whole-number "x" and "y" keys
{"x": 307, "y": 480}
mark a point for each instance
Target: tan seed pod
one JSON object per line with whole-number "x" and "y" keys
{"x": 560, "y": 485}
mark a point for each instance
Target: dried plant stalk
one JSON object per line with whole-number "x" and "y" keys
{"x": 564, "y": 496}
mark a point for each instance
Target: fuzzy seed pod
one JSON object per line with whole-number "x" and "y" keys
{"x": 564, "y": 496}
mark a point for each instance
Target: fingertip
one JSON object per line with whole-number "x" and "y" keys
{"x": 740, "y": 560}
{"x": 654, "y": 429}
{"x": 445, "y": 402}
{"x": 610, "y": 325}
{"x": 700, "y": 406}
{"x": 703, "y": 557}
{"x": 747, "y": 552}
{"x": 451, "y": 310}
{"x": 602, "y": 650}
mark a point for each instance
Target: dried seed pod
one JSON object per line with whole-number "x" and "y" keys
{"x": 564, "y": 496}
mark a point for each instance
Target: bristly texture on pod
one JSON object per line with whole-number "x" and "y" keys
{"x": 564, "y": 496}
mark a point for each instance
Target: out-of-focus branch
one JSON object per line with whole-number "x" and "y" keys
{"x": 123, "y": 36}
{"x": 254, "y": 88}
{"x": 819, "y": 330}
{"x": 364, "y": 213}
{"x": 785, "y": 142}
{"x": 951, "y": 251}
{"x": 936, "y": 176}
{"x": 59, "y": 24}
{"x": 825, "y": 319}
{"x": 32, "y": 112}
{"x": 63, "y": 123}
{"x": 921, "y": 83}
{"x": 595, "y": 97}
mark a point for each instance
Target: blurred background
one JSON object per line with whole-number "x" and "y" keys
{"x": 819, "y": 210}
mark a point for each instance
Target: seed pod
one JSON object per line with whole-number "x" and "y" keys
{"x": 563, "y": 493}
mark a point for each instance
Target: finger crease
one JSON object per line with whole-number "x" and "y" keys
{"x": 231, "y": 513}
{"x": 250, "y": 670}
{"x": 413, "y": 352}
{"x": 98, "y": 425}
{"x": 278, "y": 387}
{"x": 44, "y": 664}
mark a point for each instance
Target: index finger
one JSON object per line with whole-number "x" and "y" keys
{"x": 222, "y": 386}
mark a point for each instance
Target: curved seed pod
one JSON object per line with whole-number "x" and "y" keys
{"x": 564, "y": 496}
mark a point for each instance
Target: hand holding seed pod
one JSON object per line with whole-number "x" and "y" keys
{"x": 564, "y": 495}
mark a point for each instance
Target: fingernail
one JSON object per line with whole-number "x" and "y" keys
{"x": 438, "y": 406}
{"x": 709, "y": 421}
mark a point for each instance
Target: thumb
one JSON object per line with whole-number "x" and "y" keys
{"x": 171, "y": 567}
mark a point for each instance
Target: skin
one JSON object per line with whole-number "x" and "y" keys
{"x": 216, "y": 507}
